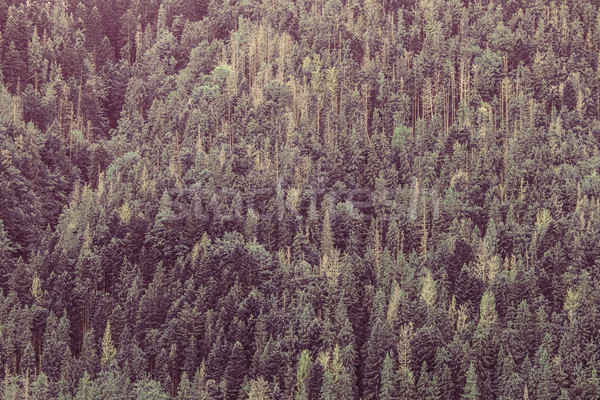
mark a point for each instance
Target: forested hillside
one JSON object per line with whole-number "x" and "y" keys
{"x": 304, "y": 200}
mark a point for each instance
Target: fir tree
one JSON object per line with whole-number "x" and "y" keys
{"x": 108, "y": 348}
{"x": 471, "y": 389}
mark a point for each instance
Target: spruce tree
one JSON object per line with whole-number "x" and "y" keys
{"x": 389, "y": 384}
{"x": 471, "y": 389}
{"x": 108, "y": 348}
{"x": 234, "y": 372}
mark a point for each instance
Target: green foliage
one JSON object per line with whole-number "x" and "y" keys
{"x": 108, "y": 349}
{"x": 487, "y": 310}
{"x": 302, "y": 374}
{"x": 149, "y": 390}
{"x": 389, "y": 385}
{"x": 400, "y": 137}
{"x": 86, "y": 389}
{"x": 120, "y": 168}
{"x": 471, "y": 391}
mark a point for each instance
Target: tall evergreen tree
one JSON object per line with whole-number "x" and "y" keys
{"x": 471, "y": 390}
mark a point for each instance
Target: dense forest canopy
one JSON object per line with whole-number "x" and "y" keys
{"x": 307, "y": 200}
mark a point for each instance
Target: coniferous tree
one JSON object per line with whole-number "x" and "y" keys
{"x": 471, "y": 390}
{"x": 40, "y": 388}
{"x": 303, "y": 373}
{"x": 108, "y": 348}
{"x": 88, "y": 356}
{"x": 86, "y": 390}
{"x": 234, "y": 372}
{"x": 389, "y": 386}
{"x": 55, "y": 346}
{"x": 149, "y": 389}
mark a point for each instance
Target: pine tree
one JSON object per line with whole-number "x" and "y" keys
{"x": 344, "y": 376}
{"x": 507, "y": 368}
{"x": 302, "y": 375}
{"x": 56, "y": 339}
{"x": 68, "y": 374}
{"x": 7, "y": 249}
{"x": 14, "y": 67}
{"x": 487, "y": 310}
{"x": 375, "y": 349}
{"x": 88, "y": 357}
{"x": 429, "y": 291}
{"x": 546, "y": 388}
{"x": 38, "y": 64}
{"x": 259, "y": 389}
{"x": 513, "y": 389}
{"x": 113, "y": 384}
{"x": 93, "y": 24}
{"x": 40, "y": 389}
{"x": 315, "y": 382}
{"x": 16, "y": 37}
{"x": 300, "y": 246}
{"x": 393, "y": 239}
{"x": 326, "y": 236}
{"x": 28, "y": 362}
{"x": 389, "y": 385}
{"x": 426, "y": 388}
{"x": 191, "y": 355}
{"x": 149, "y": 390}
{"x": 406, "y": 384}
{"x": 217, "y": 358}
{"x": 328, "y": 383}
{"x": 471, "y": 389}
{"x": 162, "y": 370}
{"x": 185, "y": 389}
{"x": 108, "y": 348}
{"x": 404, "y": 348}
{"x": 593, "y": 385}
{"x": 234, "y": 373}
{"x": 199, "y": 382}
{"x": 11, "y": 388}
{"x": 86, "y": 390}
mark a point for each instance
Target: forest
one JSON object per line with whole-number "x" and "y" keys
{"x": 299, "y": 199}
